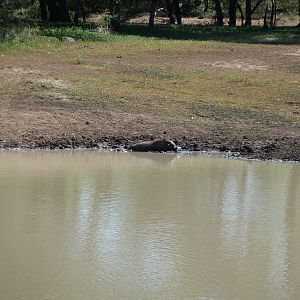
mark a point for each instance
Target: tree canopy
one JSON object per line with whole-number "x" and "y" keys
{"x": 118, "y": 10}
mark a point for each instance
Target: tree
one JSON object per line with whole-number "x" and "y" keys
{"x": 43, "y": 8}
{"x": 219, "y": 13}
{"x": 115, "y": 14}
{"x": 77, "y": 11}
{"x": 170, "y": 11}
{"x": 248, "y": 13}
{"x": 273, "y": 13}
{"x": 239, "y": 7}
{"x": 205, "y": 2}
{"x": 299, "y": 12}
{"x": 171, "y": 6}
{"x": 152, "y": 10}
{"x": 232, "y": 12}
{"x": 177, "y": 11}
{"x": 58, "y": 11}
{"x": 266, "y": 14}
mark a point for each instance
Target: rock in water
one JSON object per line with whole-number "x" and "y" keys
{"x": 158, "y": 145}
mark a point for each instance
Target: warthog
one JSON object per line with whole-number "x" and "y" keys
{"x": 158, "y": 145}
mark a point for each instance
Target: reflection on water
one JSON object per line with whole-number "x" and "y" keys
{"x": 90, "y": 225}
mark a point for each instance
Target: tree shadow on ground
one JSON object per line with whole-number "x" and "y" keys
{"x": 250, "y": 35}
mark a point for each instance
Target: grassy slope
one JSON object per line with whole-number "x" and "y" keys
{"x": 246, "y": 78}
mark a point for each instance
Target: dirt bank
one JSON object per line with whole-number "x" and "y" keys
{"x": 67, "y": 127}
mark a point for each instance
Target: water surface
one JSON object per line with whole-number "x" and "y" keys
{"x": 94, "y": 225}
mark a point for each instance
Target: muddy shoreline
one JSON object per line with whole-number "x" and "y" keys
{"x": 37, "y": 127}
{"x": 284, "y": 148}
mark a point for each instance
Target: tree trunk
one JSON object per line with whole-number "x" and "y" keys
{"x": 170, "y": 11}
{"x": 115, "y": 14}
{"x": 273, "y": 14}
{"x": 43, "y": 7}
{"x": 62, "y": 11}
{"x": 248, "y": 13}
{"x": 232, "y": 12}
{"x": 82, "y": 8}
{"x": 206, "y": 5}
{"x": 256, "y": 6}
{"x": 153, "y": 7}
{"x": 58, "y": 11}
{"x": 299, "y": 12}
{"x": 77, "y": 12}
{"x": 52, "y": 8}
{"x": 177, "y": 11}
{"x": 219, "y": 13}
{"x": 266, "y": 15}
{"x": 239, "y": 7}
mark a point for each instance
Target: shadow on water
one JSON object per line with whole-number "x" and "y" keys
{"x": 155, "y": 158}
{"x": 251, "y": 35}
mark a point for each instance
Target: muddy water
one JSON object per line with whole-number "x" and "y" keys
{"x": 90, "y": 225}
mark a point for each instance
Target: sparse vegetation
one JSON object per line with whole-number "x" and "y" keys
{"x": 178, "y": 81}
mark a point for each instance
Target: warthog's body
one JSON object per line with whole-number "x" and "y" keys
{"x": 159, "y": 145}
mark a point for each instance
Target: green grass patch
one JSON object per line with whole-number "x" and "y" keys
{"x": 158, "y": 73}
{"x": 201, "y": 72}
{"x": 23, "y": 31}
{"x": 251, "y": 35}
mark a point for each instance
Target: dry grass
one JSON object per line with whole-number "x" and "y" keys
{"x": 182, "y": 81}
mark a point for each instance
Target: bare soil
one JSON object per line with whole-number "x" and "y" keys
{"x": 68, "y": 126}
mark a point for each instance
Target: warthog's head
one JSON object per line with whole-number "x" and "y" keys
{"x": 168, "y": 145}
{"x": 172, "y": 146}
